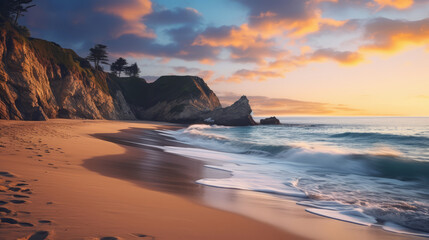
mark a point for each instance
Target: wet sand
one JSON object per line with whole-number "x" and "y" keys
{"x": 152, "y": 168}
{"x": 60, "y": 180}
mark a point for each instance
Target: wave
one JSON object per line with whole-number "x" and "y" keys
{"x": 383, "y": 186}
{"x": 372, "y": 164}
{"x": 382, "y": 162}
{"x": 373, "y": 137}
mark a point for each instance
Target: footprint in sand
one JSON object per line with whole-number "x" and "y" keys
{"x": 40, "y": 235}
{"x": 144, "y": 236}
{"x": 9, "y": 220}
{"x": 21, "y": 184}
{"x": 27, "y": 191}
{"x": 2, "y": 203}
{"x": 109, "y": 238}
{"x": 20, "y": 196}
{"x": 17, "y": 201}
{"x": 5, "y": 210}
{"x": 45, "y": 222}
{"x": 14, "y": 189}
{"x": 6, "y": 174}
{"x": 25, "y": 224}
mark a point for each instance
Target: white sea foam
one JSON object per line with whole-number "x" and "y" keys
{"x": 392, "y": 227}
{"x": 355, "y": 216}
{"x": 338, "y": 171}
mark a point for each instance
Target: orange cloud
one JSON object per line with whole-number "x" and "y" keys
{"x": 206, "y": 75}
{"x": 342, "y": 57}
{"x": 390, "y": 36}
{"x": 241, "y": 37}
{"x": 249, "y": 75}
{"x": 265, "y": 106}
{"x": 132, "y": 12}
{"x": 272, "y": 24}
{"x": 399, "y": 4}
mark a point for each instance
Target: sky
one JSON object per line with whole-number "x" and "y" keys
{"x": 289, "y": 57}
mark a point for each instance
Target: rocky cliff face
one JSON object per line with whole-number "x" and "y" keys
{"x": 170, "y": 98}
{"x": 39, "y": 78}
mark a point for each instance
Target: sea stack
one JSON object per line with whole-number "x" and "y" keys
{"x": 238, "y": 114}
{"x": 270, "y": 121}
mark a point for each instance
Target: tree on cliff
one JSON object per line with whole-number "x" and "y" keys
{"x": 133, "y": 70}
{"x": 118, "y": 66}
{"x": 98, "y": 54}
{"x": 11, "y": 10}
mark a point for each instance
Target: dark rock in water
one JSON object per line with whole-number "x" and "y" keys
{"x": 270, "y": 121}
{"x": 238, "y": 114}
{"x": 39, "y": 114}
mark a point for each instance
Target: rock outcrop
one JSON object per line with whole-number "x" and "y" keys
{"x": 270, "y": 121}
{"x": 39, "y": 79}
{"x": 238, "y": 114}
{"x": 179, "y": 99}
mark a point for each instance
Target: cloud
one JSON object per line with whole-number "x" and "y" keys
{"x": 281, "y": 66}
{"x": 269, "y": 39}
{"x": 249, "y": 75}
{"x": 131, "y": 11}
{"x": 182, "y": 69}
{"x": 295, "y": 17}
{"x": 266, "y": 106}
{"x": 173, "y": 17}
{"x": 399, "y": 4}
{"x": 343, "y": 57}
{"x": 79, "y": 24}
{"x": 204, "y": 74}
{"x": 387, "y": 35}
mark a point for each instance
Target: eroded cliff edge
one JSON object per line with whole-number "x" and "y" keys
{"x": 40, "y": 80}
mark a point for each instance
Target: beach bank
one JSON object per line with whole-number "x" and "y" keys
{"x": 62, "y": 199}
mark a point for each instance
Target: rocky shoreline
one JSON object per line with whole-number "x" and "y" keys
{"x": 40, "y": 80}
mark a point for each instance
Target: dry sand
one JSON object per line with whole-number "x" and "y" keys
{"x": 46, "y": 192}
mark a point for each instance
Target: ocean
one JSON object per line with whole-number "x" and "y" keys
{"x": 371, "y": 171}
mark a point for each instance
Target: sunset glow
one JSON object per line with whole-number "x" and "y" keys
{"x": 295, "y": 57}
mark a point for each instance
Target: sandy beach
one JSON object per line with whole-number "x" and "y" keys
{"x": 47, "y": 191}
{"x": 85, "y": 179}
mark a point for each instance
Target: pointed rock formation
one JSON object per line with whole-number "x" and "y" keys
{"x": 238, "y": 114}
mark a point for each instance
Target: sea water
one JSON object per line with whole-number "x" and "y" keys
{"x": 372, "y": 171}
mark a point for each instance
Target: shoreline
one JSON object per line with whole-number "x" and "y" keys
{"x": 282, "y": 213}
{"x": 67, "y": 201}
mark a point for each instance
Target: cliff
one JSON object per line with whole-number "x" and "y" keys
{"x": 170, "y": 98}
{"x": 41, "y": 80}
